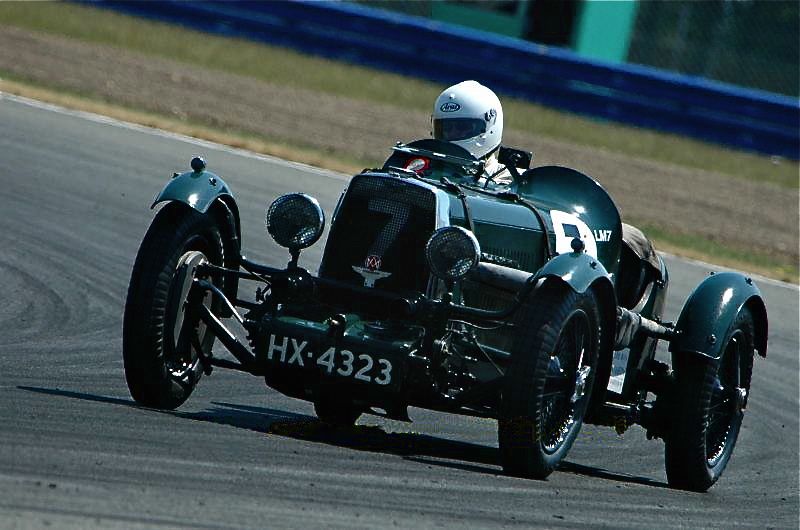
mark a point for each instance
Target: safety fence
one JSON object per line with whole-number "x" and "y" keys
{"x": 641, "y": 96}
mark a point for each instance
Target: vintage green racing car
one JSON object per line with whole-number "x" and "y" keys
{"x": 527, "y": 301}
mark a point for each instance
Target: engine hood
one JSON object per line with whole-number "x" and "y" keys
{"x": 571, "y": 205}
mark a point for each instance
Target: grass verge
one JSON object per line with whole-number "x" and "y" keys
{"x": 703, "y": 249}
{"x": 242, "y": 141}
{"x": 683, "y": 245}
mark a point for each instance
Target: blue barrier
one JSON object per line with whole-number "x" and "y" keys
{"x": 641, "y": 96}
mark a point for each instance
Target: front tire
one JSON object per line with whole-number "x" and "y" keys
{"x": 549, "y": 381}
{"x": 162, "y": 367}
{"x": 709, "y": 401}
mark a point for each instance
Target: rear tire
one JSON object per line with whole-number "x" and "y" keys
{"x": 161, "y": 366}
{"x": 549, "y": 381}
{"x": 709, "y": 400}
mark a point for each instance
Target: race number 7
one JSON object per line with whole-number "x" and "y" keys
{"x": 398, "y": 217}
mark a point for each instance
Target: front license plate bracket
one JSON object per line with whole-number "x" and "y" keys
{"x": 305, "y": 348}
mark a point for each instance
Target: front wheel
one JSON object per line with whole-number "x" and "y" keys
{"x": 161, "y": 334}
{"x": 708, "y": 407}
{"x": 549, "y": 380}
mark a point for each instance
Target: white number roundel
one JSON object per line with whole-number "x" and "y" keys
{"x": 566, "y": 227}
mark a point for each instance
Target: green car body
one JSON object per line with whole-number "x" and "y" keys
{"x": 382, "y": 328}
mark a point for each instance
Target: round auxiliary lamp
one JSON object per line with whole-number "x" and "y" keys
{"x": 295, "y": 221}
{"x": 452, "y": 253}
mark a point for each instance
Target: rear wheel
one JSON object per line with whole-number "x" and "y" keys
{"x": 710, "y": 398}
{"x": 161, "y": 333}
{"x": 549, "y": 380}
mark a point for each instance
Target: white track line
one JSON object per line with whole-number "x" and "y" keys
{"x": 99, "y": 118}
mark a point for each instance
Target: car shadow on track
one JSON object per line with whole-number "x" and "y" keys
{"x": 414, "y": 447}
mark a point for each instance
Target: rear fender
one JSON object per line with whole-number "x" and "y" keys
{"x": 710, "y": 310}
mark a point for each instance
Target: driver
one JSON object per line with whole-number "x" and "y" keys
{"x": 470, "y": 115}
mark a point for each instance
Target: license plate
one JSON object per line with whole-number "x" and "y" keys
{"x": 339, "y": 362}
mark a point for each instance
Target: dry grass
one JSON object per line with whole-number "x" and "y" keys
{"x": 288, "y": 68}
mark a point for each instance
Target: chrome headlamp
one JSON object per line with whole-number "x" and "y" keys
{"x": 295, "y": 220}
{"x": 452, "y": 252}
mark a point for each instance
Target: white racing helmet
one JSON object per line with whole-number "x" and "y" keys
{"x": 469, "y": 115}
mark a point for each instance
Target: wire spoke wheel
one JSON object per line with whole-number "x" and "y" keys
{"x": 184, "y": 332}
{"x": 708, "y": 407}
{"x": 724, "y": 408}
{"x": 163, "y": 338}
{"x": 558, "y": 409}
{"x": 549, "y": 380}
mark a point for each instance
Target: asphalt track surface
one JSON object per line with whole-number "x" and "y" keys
{"x": 76, "y": 451}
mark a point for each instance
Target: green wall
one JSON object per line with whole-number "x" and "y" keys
{"x": 603, "y": 29}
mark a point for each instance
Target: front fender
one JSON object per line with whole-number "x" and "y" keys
{"x": 581, "y": 272}
{"x": 197, "y": 189}
{"x": 711, "y": 308}
{"x": 208, "y": 193}
{"x": 577, "y": 269}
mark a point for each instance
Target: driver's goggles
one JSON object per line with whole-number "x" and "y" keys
{"x": 453, "y": 129}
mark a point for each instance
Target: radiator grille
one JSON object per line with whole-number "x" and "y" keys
{"x": 381, "y": 228}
